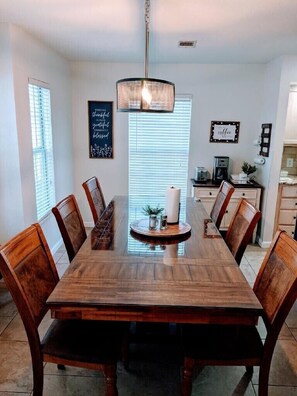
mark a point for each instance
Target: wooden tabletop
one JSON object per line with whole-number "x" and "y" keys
{"x": 121, "y": 275}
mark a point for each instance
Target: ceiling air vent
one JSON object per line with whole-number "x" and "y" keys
{"x": 187, "y": 44}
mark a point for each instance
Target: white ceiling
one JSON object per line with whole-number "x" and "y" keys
{"x": 227, "y": 31}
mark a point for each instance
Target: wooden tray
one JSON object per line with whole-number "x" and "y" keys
{"x": 142, "y": 227}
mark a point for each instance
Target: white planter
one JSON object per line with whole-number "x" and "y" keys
{"x": 243, "y": 177}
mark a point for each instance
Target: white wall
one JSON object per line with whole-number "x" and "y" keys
{"x": 251, "y": 94}
{"x": 31, "y": 58}
{"x": 281, "y": 73}
{"x": 11, "y": 213}
{"x": 220, "y": 92}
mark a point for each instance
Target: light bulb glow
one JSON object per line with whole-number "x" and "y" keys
{"x": 146, "y": 95}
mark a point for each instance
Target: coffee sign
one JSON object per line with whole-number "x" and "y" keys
{"x": 224, "y": 131}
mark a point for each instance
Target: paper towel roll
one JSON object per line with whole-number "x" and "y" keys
{"x": 259, "y": 160}
{"x": 172, "y": 204}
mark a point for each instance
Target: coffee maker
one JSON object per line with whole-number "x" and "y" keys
{"x": 220, "y": 169}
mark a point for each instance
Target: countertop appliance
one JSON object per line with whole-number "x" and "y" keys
{"x": 201, "y": 174}
{"x": 220, "y": 169}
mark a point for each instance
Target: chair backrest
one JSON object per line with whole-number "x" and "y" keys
{"x": 30, "y": 275}
{"x": 276, "y": 283}
{"x": 220, "y": 205}
{"x": 71, "y": 225}
{"x": 95, "y": 197}
{"x": 241, "y": 227}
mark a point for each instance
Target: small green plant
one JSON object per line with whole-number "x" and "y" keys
{"x": 248, "y": 168}
{"x": 148, "y": 210}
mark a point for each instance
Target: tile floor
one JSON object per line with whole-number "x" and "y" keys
{"x": 154, "y": 370}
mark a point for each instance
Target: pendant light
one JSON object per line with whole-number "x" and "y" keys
{"x": 145, "y": 94}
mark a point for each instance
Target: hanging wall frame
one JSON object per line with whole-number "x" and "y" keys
{"x": 100, "y": 129}
{"x": 265, "y": 140}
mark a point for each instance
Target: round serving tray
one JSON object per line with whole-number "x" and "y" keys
{"x": 142, "y": 227}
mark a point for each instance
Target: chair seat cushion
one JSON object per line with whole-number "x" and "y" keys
{"x": 220, "y": 342}
{"x": 84, "y": 340}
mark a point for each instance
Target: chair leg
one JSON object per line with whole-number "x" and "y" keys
{"x": 37, "y": 367}
{"x": 189, "y": 364}
{"x": 250, "y": 370}
{"x": 110, "y": 372}
{"x": 263, "y": 381}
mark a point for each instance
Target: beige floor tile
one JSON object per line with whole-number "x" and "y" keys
{"x": 283, "y": 370}
{"x": 247, "y": 271}
{"x": 15, "y": 331}
{"x": 7, "y": 306}
{"x": 292, "y": 317}
{"x": 63, "y": 259}
{"x": 73, "y": 386}
{"x": 15, "y": 394}
{"x": 4, "y": 321}
{"x": 52, "y": 369}
{"x": 15, "y": 367}
{"x": 227, "y": 381}
{"x": 282, "y": 391}
{"x": 294, "y": 332}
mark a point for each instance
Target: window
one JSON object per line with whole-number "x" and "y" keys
{"x": 41, "y": 128}
{"x": 158, "y": 158}
{"x": 159, "y": 152}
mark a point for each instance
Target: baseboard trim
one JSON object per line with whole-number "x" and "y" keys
{"x": 88, "y": 224}
{"x": 264, "y": 244}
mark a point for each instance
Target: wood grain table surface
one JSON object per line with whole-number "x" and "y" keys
{"x": 120, "y": 275}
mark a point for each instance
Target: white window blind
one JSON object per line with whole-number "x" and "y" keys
{"x": 159, "y": 152}
{"x": 41, "y": 128}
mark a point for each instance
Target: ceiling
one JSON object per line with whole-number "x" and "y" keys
{"x": 227, "y": 31}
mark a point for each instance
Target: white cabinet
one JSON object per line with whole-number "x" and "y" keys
{"x": 207, "y": 195}
{"x": 286, "y": 208}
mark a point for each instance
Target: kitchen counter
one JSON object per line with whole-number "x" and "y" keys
{"x": 206, "y": 192}
{"x": 288, "y": 180}
{"x": 210, "y": 183}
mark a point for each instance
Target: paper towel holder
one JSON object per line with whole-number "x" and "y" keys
{"x": 259, "y": 160}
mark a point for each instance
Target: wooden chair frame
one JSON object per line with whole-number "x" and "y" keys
{"x": 276, "y": 289}
{"x": 221, "y": 202}
{"x": 71, "y": 224}
{"x": 240, "y": 233}
{"x": 95, "y": 197}
{"x": 30, "y": 275}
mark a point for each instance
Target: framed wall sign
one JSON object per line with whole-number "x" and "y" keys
{"x": 224, "y": 131}
{"x": 100, "y": 129}
{"x": 265, "y": 140}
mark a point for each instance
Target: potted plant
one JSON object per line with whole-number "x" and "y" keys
{"x": 247, "y": 170}
{"x": 152, "y": 213}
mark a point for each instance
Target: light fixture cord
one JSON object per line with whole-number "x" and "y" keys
{"x": 147, "y": 21}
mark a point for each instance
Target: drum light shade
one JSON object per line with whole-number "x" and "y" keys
{"x": 145, "y": 95}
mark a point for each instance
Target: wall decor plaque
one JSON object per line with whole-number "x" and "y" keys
{"x": 100, "y": 129}
{"x": 224, "y": 131}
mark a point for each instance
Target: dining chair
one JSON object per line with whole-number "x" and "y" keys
{"x": 231, "y": 345}
{"x": 221, "y": 202}
{"x": 30, "y": 275}
{"x": 241, "y": 228}
{"x": 71, "y": 224}
{"x": 95, "y": 197}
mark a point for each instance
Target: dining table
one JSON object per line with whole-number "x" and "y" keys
{"x": 126, "y": 272}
